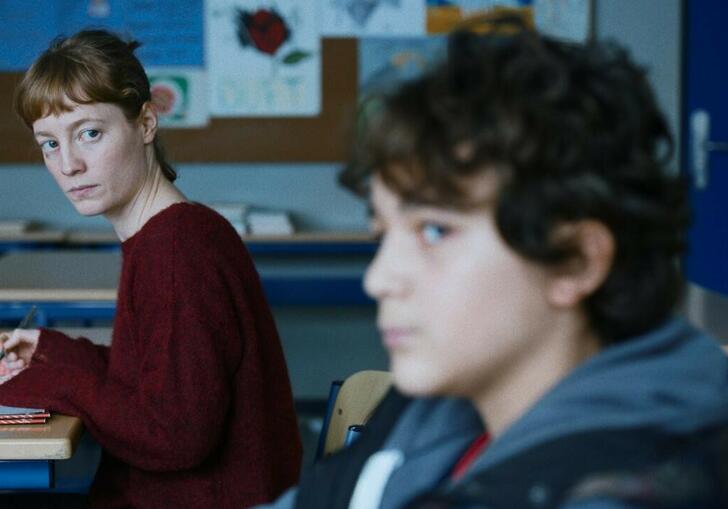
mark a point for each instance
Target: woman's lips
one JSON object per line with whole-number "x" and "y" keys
{"x": 79, "y": 192}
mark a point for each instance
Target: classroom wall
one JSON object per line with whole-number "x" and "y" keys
{"x": 322, "y": 344}
{"x": 650, "y": 28}
{"x": 309, "y": 191}
{"x": 652, "y": 31}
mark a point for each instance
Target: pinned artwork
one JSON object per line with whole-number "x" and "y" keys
{"x": 447, "y": 15}
{"x": 358, "y": 18}
{"x": 386, "y": 63}
{"x": 563, "y": 19}
{"x": 170, "y": 31}
{"x": 263, "y": 58}
{"x": 99, "y": 9}
{"x": 179, "y": 96}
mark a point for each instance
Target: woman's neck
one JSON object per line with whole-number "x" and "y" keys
{"x": 155, "y": 195}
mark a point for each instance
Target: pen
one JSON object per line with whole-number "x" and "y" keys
{"x": 23, "y": 324}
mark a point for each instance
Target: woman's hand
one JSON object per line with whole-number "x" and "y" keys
{"x": 19, "y": 346}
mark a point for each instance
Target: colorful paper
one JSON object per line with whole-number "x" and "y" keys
{"x": 263, "y": 58}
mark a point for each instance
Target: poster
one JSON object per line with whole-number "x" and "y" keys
{"x": 179, "y": 95}
{"x": 170, "y": 31}
{"x": 447, "y": 15}
{"x": 263, "y": 58}
{"x": 361, "y": 18}
{"x": 385, "y": 63}
{"x": 562, "y": 19}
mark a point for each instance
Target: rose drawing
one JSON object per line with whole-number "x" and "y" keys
{"x": 266, "y": 31}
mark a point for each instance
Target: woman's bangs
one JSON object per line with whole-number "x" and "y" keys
{"x": 49, "y": 92}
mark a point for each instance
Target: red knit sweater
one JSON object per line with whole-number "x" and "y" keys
{"x": 191, "y": 403}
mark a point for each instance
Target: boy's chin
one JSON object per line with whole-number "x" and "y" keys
{"x": 415, "y": 383}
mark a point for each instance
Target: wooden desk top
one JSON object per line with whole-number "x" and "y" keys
{"x": 93, "y": 275}
{"x": 90, "y": 277}
{"x": 34, "y": 236}
{"x": 109, "y": 237}
{"x": 55, "y": 440}
{"x": 91, "y": 237}
{"x": 60, "y": 276}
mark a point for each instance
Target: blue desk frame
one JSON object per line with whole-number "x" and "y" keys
{"x": 255, "y": 247}
{"x": 27, "y": 475}
{"x": 280, "y": 291}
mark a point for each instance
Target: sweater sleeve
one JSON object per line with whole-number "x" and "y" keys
{"x": 174, "y": 416}
{"x": 56, "y": 347}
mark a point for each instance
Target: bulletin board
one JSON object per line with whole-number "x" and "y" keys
{"x": 323, "y": 138}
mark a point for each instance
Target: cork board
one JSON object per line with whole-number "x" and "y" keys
{"x": 324, "y": 138}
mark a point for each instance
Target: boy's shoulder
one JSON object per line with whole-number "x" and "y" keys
{"x": 430, "y": 433}
{"x": 609, "y": 468}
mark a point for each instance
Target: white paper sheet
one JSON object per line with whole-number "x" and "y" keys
{"x": 274, "y": 77}
{"x": 358, "y": 18}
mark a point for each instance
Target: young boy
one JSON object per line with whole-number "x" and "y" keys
{"x": 528, "y": 269}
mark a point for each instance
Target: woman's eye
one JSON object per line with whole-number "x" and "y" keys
{"x": 48, "y": 145}
{"x": 432, "y": 233}
{"x": 90, "y": 134}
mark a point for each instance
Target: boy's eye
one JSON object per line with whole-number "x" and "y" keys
{"x": 377, "y": 234}
{"x": 90, "y": 134}
{"x": 432, "y": 233}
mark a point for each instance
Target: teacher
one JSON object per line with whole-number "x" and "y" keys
{"x": 191, "y": 403}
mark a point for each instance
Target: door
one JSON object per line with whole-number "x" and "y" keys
{"x": 705, "y": 147}
{"x": 705, "y": 161}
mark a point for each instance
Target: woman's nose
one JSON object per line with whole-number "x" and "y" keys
{"x": 71, "y": 162}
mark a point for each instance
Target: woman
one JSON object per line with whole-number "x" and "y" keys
{"x": 192, "y": 400}
{"x": 525, "y": 281}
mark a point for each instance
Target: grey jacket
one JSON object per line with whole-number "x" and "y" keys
{"x": 673, "y": 379}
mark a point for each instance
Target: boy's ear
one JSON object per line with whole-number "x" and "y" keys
{"x": 149, "y": 122}
{"x": 583, "y": 274}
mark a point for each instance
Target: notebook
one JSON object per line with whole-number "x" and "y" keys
{"x": 19, "y": 415}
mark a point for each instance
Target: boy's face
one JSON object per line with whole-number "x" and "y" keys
{"x": 458, "y": 310}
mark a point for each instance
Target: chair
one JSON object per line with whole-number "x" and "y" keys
{"x": 354, "y": 403}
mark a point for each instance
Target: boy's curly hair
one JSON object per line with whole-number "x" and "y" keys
{"x": 572, "y": 131}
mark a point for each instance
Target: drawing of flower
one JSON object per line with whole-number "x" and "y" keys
{"x": 264, "y": 29}
{"x": 267, "y": 31}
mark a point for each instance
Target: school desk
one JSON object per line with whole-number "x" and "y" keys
{"x": 310, "y": 244}
{"x": 81, "y": 284}
{"x": 300, "y": 243}
{"x": 28, "y": 453}
{"x": 31, "y": 240}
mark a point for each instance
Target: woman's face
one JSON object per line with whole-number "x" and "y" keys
{"x": 457, "y": 307}
{"x": 96, "y": 156}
